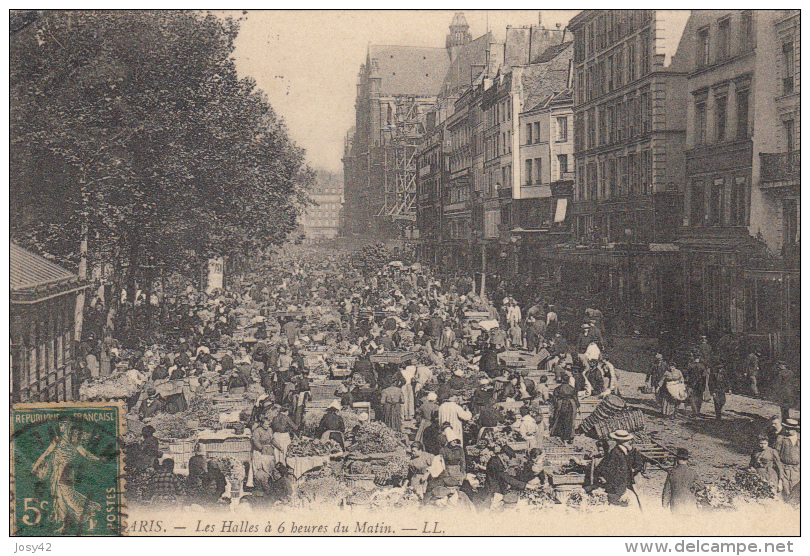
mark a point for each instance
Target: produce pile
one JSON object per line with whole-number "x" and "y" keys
{"x": 115, "y": 386}
{"x": 542, "y": 497}
{"x": 233, "y": 470}
{"x": 307, "y": 447}
{"x": 395, "y": 498}
{"x": 322, "y": 487}
{"x": 169, "y": 426}
{"x": 726, "y": 494}
{"x": 390, "y": 471}
{"x": 201, "y": 408}
{"x": 374, "y": 437}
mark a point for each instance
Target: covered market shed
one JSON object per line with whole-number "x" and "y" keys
{"x": 42, "y": 304}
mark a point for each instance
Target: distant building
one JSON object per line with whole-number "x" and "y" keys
{"x": 43, "y": 307}
{"x": 322, "y": 219}
{"x": 396, "y": 87}
{"x": 740, "y": 240}
{"x": 629, "y": 132}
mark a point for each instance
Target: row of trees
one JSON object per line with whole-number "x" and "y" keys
{"x": 135, "y": 143}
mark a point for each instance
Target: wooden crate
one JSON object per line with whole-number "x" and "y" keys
{"x": 178, "y": 449}
{"x": 568, "y": 479}
{"x": 360, "y": 482}
{"x": 237, "y": 447}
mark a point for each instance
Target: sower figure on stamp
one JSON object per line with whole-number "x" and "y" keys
{"x": 68, "y": 504}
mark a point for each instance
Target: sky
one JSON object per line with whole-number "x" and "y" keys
{"x": 307, "y": 61}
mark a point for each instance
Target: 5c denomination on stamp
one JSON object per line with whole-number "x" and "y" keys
{"x": 67, "y": 469}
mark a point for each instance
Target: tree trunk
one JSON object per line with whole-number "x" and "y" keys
{"x": 79, "y": 311}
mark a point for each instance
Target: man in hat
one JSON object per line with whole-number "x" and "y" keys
{"x": 331, "y": 421}
{"x": 618, "y": 469}
{"x": 789, "y": 449}
{"x": 152, "y": 405}
{"x": 681, "y": 485}
{"x": 775, "y": 430}
{"x": 751, "y": 370}
{"x": 785, "y": 389}
{"x": 657, "y": 369}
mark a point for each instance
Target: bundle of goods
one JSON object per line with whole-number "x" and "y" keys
{"x": 571, "y": 473}
{"x": 307, "y": 447}
{"x": 202, "y": 410}
{"x": 611, "y": 406}
{"x": 542, "y": 497}
{"x": 390, "y": 471}
{"x": 726, "y": 494}
{"x": 233, "y": 470}
{"x": 322, "y": 487}
{"x": 582, "y": 500}
{"x": 170, "y": 427}
{"x": 394, "y": 498}
{"x": 123, "y": 385}
{"x": 374, "y": 437}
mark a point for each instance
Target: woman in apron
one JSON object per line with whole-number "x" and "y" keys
{"x": 282, "y": 427}
{"x": 391, "y": 399}
{"x": 671, "y": 381}
{"x": 407, "y": 393}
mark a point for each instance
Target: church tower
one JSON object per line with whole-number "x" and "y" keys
{"x": 459, "y": 34}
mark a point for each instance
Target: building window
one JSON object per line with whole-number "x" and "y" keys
{"x": 538, "y": 168}
{"x": 723, "y": 38}
{"x": 742, "y": 113}
{"x": 562, "y": 161}
{"x": 697, "y": 214}
{"x": 645, "y": 53}
{"x": 619, "y": 67}
{"x": 537, "y": 132}
{"x": 700, "y": 122}
{"x": 528, "y": 134}
{"x": 610, "y": 73}
{"x": 631, "y": 61}
{"x": 790, "y": 68}
{"x": 716, "y": 203}
{"x": 703, "y": 47}
{"x": 528, "y": 171}
{"x": 739, "y": 193}
{"x": 790, "y": 218}
{"x": 746, "y": 30}
{"x": 720, "y": 105}
{"x": 602, "y": 180}
{"x": 789, "y": 135}
{"x": 562, "y": 129}
{"x": 581, "y": 183}
{"x": 612, "y": 176}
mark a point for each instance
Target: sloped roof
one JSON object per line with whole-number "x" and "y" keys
{"x": 552, "y": 52}
{"x": 543, "y": 80}
{"x": 408, "y": 70}
{"x": 28, "y": 270}
{"x": 460, "y": 74}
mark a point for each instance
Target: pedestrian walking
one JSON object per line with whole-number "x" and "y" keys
{"x": 681, "y": 485}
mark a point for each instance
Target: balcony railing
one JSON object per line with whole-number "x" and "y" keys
{"x": 780, "y": 166}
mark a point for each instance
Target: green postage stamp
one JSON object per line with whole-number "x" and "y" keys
{"x": 67, "y": 469}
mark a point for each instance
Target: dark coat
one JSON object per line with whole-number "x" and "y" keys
{"x": 498, "y": 480}
{"x": 680, "y": 487}
{"x": 619, "y": 469}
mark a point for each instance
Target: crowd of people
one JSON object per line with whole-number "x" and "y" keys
{"x": 457, "y": 386}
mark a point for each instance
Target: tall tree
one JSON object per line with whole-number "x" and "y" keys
{"x": 132, "y": 134}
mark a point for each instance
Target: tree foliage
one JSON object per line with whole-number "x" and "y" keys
{"x": 136, "y": 124}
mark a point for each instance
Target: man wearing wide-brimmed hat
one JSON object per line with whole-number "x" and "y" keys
{"x": 617, "y": 471}
{"x": 681, "y": 485}
{"x": 789, "y": 448}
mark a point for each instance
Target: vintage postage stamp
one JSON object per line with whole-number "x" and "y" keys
{"x": 67, "y": 469}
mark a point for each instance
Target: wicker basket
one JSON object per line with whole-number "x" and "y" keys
{"x": 568, "y": 479}
{"x": 180, "y": 450}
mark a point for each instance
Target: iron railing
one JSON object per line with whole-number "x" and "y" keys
{"x": 780, "y": 166}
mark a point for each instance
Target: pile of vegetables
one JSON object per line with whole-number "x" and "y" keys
{"x": 307, "y": 447}
{"x": 322, "y": 487}
{"x": 201, "y": 408}
{"x": 169, "y": 426}
{"x": 393, "y": 471}
{"x": 233, "y": 470}
{"x": 114, "y": 386}
{"x": 725, "y": 493}
{"x": 374, "y": 437}
{"x": 542, "y": 497}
